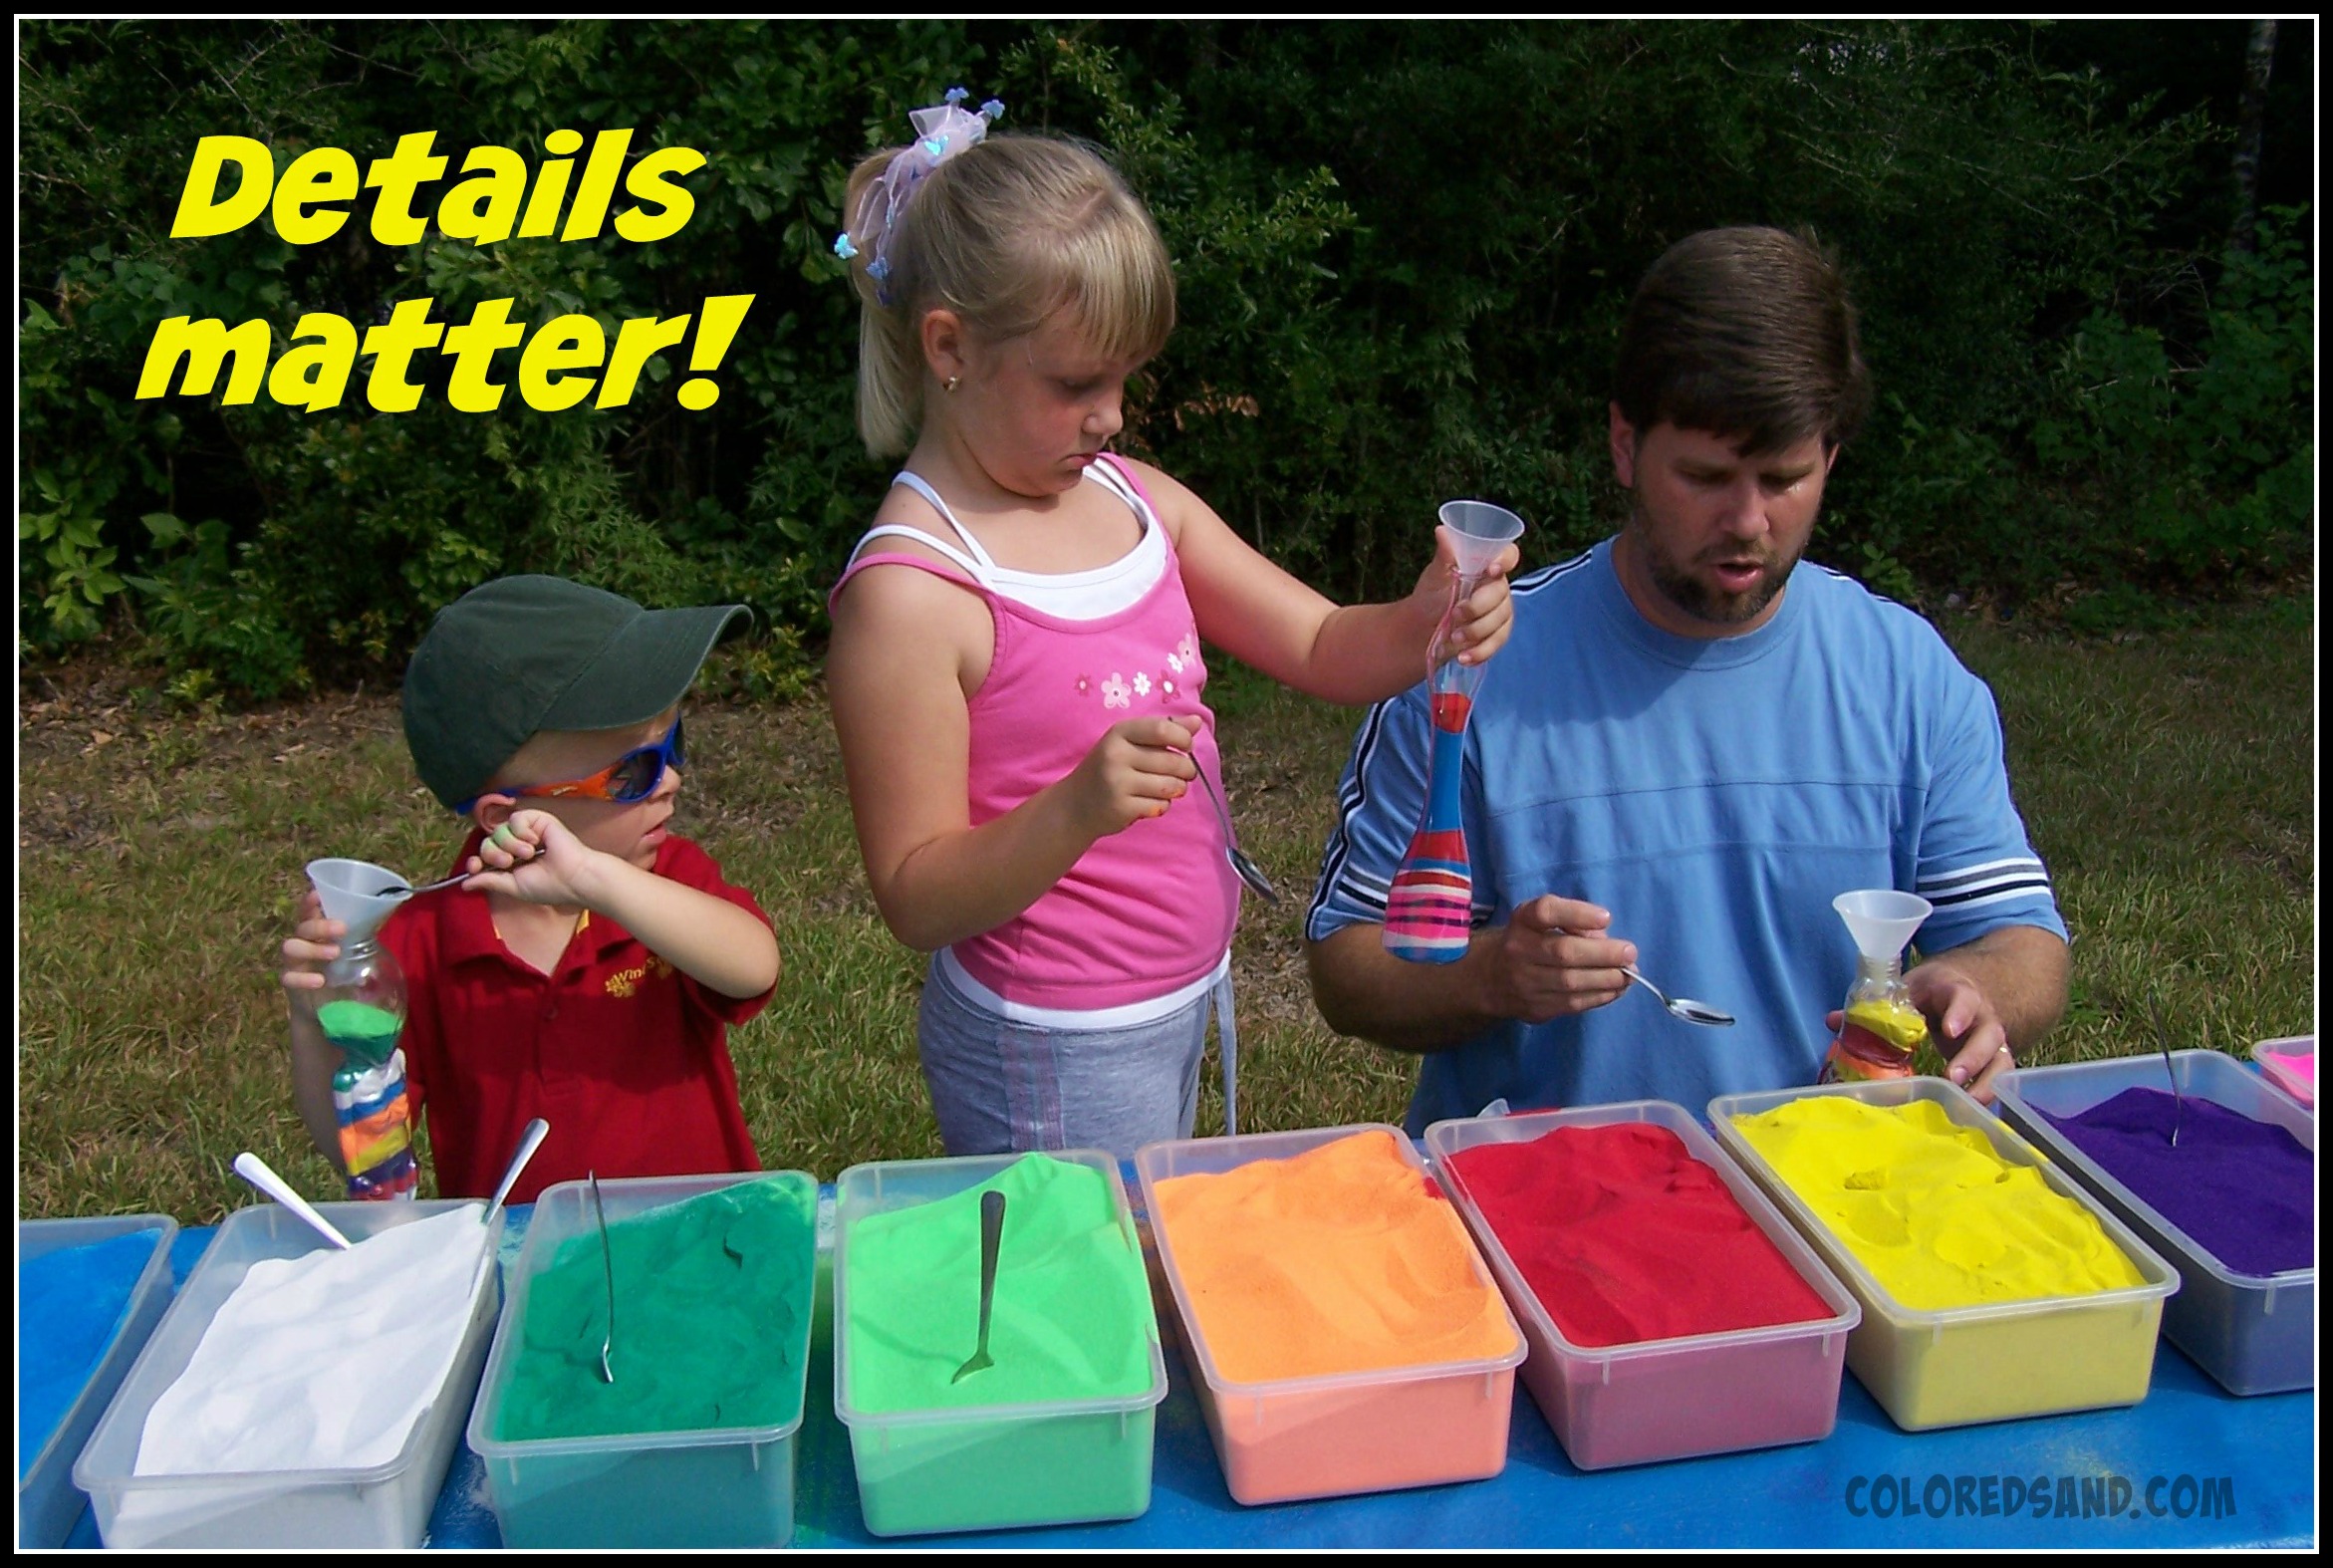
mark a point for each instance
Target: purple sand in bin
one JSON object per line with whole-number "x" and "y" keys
{"x": 70, "y": 1304}
{"x": 2243, "y": 1190}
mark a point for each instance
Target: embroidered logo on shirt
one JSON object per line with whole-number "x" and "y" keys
{"x": 625, "y": 982}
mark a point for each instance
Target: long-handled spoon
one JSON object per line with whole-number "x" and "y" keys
{"x": 501, "y": 837}
{"x": 607, "y": 1259}
{"x": 528, "y": 1141}
{"x": 255, "y": 1170}
{"x": 1250, "y": 872}
{"x": 2178, "y": 1101}
{"x": 400, "y": 890}
{"x": 991, "y": 1236}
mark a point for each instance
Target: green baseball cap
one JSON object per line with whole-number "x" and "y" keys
{"x": 526, "y": 653}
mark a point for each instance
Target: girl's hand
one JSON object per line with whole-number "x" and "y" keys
{"x": 537, "y": 859}
{"x": 1479, "y": 625}
{"x": 314, "y": 942}
{"x": 1135, "y": 771}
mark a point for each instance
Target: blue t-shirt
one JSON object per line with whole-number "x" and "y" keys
{"x": 1715, "y": 796}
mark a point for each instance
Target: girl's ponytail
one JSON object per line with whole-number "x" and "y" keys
{"x": 891, "y": 360}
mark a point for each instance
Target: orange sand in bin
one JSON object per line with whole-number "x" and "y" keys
{"x": 1340, "y": 1259}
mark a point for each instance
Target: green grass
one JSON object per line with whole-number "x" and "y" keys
{"x": 2168, "y": 781}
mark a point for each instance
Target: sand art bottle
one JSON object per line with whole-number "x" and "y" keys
{"x": 362, "y": 1010}
{"x": 1430, "y": 909}
{"x": 1881, "y": 1028}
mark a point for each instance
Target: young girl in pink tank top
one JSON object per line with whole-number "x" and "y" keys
{"x": 1016, "y": 671}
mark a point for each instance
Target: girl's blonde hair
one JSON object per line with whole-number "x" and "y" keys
{"x": 1005, "y": 234}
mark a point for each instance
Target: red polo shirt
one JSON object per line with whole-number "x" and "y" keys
{"x": 624, "y": 1055}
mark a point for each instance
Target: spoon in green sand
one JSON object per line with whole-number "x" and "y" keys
{"x": 608, "y": 1340}
{"x": 991, "y": 1234}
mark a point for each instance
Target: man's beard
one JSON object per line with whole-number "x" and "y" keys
{"x": 1697, "y": 599}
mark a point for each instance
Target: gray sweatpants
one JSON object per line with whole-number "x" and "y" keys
{"x": 1000, "y": 1087}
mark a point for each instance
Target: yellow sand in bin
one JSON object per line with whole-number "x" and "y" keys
{"x": 1937, "y": 1216}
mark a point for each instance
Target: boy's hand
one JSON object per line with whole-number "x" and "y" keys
{"x": 314, "y": 942}
{"x": 535, "y": 858}
{"x": 1135, "y": 771}
{"x": 1480, "y": 624}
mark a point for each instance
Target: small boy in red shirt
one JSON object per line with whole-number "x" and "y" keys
{"x": 588, "y": 970}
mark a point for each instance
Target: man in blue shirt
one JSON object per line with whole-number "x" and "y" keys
{"x": 1690, "y": 745}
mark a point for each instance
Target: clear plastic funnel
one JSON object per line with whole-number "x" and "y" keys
{"x": 351, "y": 891}
{"x": 1479, "y": 531}
{"x": 1881, "y": 919}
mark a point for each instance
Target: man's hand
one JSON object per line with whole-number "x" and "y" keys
{"x": 1966, "y": 1027}
{"x": 1554, "y": 957}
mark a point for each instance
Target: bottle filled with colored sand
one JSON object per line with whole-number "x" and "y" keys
{"x": 362, "y": 1011}
{"x": 1430, "y": 909}
{"x": 1881, "y": 1029}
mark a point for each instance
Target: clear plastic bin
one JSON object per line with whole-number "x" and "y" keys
{"x": 2266, "y": 1053}
{"x": 1338, "y": 1433}
{"x": 2255, "y": 1334}
{"x": 997, "y": 1467}
{"x": 47, "y": 1504}
{"x": 1665, "y": 1398}
{"x": 709, "y": 1488}
{"x": 1996, "y": 1362}
{"x": 385, "y": 1506}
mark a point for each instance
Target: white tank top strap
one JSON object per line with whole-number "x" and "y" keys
{"x": 914, "y": 481}
{"x": 1107, "y": 476}
{"x": 971, "y": 568}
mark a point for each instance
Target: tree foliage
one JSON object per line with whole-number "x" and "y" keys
{"x": 1402, "y": 252}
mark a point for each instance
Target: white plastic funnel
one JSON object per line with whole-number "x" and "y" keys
{"x": 352, "y": 894}
{"x": 1881, "y": 919}
{"x": 1479, "y": 531}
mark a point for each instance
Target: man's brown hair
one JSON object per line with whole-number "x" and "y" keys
{"x": 1745, "y": 333}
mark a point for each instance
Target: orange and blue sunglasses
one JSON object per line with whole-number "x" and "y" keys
{"x": 630, "y": 778}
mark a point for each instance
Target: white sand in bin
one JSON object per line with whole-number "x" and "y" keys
{"x": 327, "y": 1360}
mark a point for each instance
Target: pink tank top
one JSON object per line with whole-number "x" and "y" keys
{"x": 1146, "y": 911}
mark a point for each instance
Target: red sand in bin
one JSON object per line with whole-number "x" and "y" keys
{"x": 1624, "y": 1236}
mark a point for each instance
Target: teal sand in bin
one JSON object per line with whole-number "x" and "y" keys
{"x": 1429, "y": 910}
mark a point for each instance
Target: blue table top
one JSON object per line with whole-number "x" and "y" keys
{"x": 2190, "y": 1467}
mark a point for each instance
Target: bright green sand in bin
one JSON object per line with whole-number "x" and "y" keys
{"x": 710, "y": 1297}
{"x": 1072, "y": 1318}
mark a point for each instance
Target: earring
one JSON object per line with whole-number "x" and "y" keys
{"x": 951, "y": 383}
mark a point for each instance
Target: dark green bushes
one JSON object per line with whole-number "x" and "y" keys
{"x": 1403, "y": 251}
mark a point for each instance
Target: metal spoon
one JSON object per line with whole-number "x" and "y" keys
{"x": 608, "y": 1341}
{"x": 2178, "y": 1103}
{"x": 528, "y": 1141}
{"x": 1679, "y": 1008}
{"x": 1682, "y": 1006}
{"x": 1250, "y": 872}
{"x": 991, "y": 1235}
{"x": 501, "y": 835}
{"x": 401, "y": 890}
